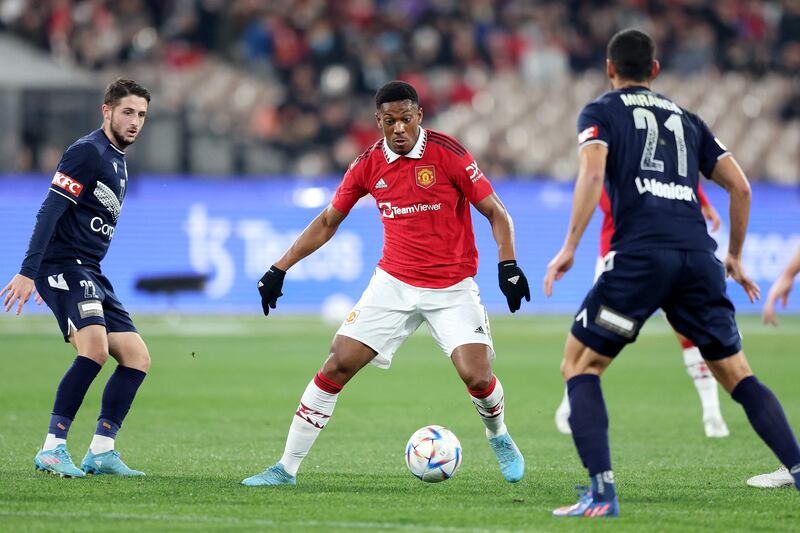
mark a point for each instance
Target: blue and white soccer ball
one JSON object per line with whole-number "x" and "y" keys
{"x": 433, "y": 454}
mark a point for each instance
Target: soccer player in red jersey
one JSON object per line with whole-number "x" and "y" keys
{"x": 713, "y": 423}
{"x": 423, "y": 183}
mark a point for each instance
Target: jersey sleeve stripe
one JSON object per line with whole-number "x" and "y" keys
{"x": 451, "y": 145}
{"x": 64, "y": 195}
{"x": 459, "y": 153}
{"x": 724, "y": 154}
{"x": 449, "y": 139}
{"x": 593, "y": 141}
{"x": 366, "y": 152}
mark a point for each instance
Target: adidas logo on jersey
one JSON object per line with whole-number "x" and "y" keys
{"x": 381, "y": 184}
{"x": 479, "y": 329}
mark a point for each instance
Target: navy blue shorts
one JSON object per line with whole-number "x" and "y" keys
{"x": 688, "y": 285}
{"x": 80, "y": 296}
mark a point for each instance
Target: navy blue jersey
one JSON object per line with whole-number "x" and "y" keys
{"x": 77, "y": 219}
{"x": 656, "y": 152}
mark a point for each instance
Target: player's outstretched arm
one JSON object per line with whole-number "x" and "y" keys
{"x": 513, "y": 283}
{"x": 320, "y": 231}
{"x": 730, "y": 175}
{"x": 781, "y": 289}
{"x": 588, "y": 188}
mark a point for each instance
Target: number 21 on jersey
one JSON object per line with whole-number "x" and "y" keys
{"x": 645, "y": 119}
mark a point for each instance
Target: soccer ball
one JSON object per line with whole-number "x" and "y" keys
{"x": 433, "y": 454}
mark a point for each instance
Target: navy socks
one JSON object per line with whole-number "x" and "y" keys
{"x": 70, "y": 394}
{"x": 117, "y": 399}
{"x": 766, "y": 416}
{"x": 589, "y": 422}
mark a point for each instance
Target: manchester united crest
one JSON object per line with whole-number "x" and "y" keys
{"x": 426, "y": 176}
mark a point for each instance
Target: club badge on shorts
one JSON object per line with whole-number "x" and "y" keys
{"x": 352, "y": 317}
{"x": 426, "y": 176}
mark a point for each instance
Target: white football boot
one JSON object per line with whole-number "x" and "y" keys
{"x": 774, "y": 480}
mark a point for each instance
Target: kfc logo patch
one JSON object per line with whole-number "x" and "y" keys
{"x": 68, "y": 184}
{"x": 426, "y": 176}
{"x": 589, "y": 133}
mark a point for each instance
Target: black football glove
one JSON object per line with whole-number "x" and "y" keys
{"x": 513, "y": 283}
{"x": 269, "y": 287}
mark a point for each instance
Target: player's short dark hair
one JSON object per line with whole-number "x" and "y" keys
{"x": 632, "y": 52}
{"x": 121, "y": 88}
{"x": 396, "y": 91}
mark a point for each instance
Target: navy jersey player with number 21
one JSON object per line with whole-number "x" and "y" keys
{"x": 649, "y": 153}
{"x": 73, "y": 231}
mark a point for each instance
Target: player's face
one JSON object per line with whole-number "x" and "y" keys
{"x": 400, "y": 124}
{"x": 125, "y": 120}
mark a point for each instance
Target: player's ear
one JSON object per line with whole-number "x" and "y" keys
{"x": 106, "y": 109}
{"x": 420, "y": 115}
{"x": 655, "y": 69}
{"x": 378, "y": 120}
{"x": 611, "y": 70}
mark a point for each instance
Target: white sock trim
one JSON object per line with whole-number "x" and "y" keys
{"x": 492, "y": 411}
{"x": 101, "y": 444}
{"x": 50, "y": 442}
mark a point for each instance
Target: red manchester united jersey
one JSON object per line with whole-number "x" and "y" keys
{"x": 423, "y": 199}
{"x": 607, "y": 230}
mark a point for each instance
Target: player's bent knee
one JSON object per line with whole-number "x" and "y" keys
{"x": 91, "y": 342}
{"x": 729, "y": 371}
{"x": 143, "y": 360}
{"x": 478, "y": 382}
{"x": 100, "y": 357}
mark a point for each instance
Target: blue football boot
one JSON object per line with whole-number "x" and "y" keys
{"x": 274, "y": 475}
{"x": 107, "y": 463}
{"x": 512, "y": 464}
{"x": 588, "y": 507}
{"x": 57, "y": 461}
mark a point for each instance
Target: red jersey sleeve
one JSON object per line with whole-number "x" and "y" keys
{"x": 352, "y": 187}
{"x": 469, "y": 179}
{"x": 702, "y": 195}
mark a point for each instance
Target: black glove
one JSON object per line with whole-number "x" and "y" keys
{"x": 513, "y": 283}
{"x": 269, "y": 287}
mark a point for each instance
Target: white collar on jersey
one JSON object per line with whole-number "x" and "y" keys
{"x": 414, "y": 153}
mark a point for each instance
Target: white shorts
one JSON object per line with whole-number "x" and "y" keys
{"x": 390, "y": 310}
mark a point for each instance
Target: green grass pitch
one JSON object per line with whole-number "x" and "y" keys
{"x": 222, "y": 392}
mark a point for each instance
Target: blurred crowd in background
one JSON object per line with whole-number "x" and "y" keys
{"x": 309, "y": 68}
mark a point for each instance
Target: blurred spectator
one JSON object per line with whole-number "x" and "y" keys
{"x": 326, "y": 58}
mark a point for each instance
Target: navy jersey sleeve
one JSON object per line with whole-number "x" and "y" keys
{"x": 593, "y": 126}
{"x": 52, "y": 208}
{"x": 710, "y": 150}
{"x": 76, "y": 171}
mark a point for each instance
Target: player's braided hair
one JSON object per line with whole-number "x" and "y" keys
{"x": 121, "y": 88}
{"x": 632, "y": 52}
{"x": 396, "y": 91}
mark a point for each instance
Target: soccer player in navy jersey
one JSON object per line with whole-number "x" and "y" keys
{"x": 705, "y": 384}
{"x": 423, "y": 183}
{"x": 648, "y": 153}
{"x": 72, "y": 234}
